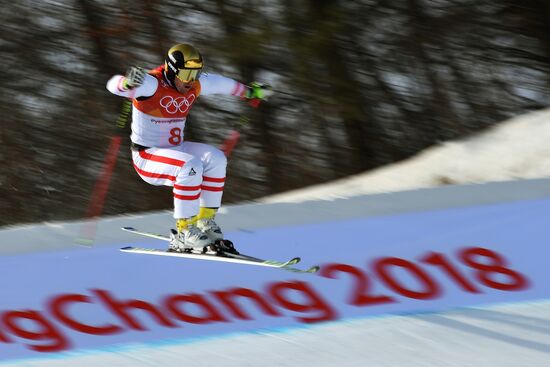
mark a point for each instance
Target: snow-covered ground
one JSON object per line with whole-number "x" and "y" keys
{"x": 503, "y": 336}
{"x": 512, "y": 335}
{"x": 515, "y": 149}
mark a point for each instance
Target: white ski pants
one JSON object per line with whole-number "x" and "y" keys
{"x": 196, "y": 172}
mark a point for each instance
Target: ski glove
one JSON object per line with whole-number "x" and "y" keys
{"x": 256, "y": 92}
{"x": 134, "y": 77}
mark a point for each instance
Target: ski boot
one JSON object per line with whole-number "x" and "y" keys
{"x": 190, "y": 240}
{"x": 210, "y": 228}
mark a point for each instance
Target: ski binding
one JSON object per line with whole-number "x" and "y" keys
{"x": 220, "y": 256}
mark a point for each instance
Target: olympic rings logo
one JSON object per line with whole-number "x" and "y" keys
{"x": 180, "y": 104}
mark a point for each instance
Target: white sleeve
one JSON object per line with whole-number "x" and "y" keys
{"x": 147, "y": 89}
{"x": 219, "y": 84}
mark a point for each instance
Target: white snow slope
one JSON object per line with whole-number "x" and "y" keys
{"x": 511, "y": 335}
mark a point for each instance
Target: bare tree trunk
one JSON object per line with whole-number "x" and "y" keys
{"x": 440, "y": 105}
{"x": 235, "y": 26}
{"x": 106, "y": 64}
{"x": 355, "y": 111}
{"x": 157, "y": 27}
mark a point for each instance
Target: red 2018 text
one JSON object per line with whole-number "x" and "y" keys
{"x": 488, "y": 267}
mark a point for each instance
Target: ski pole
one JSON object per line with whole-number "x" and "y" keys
{"x": 233, "y": 137}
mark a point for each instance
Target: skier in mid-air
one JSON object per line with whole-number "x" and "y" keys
{"x": 161, "y": 99}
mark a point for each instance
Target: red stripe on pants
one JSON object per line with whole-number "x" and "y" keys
{"x": 154, "y": 175}
{"x": 157, "y": 158}
{"x": 213, "y": 179}
{"x": 210, "y": 188}
{"x": 187, "y": 197}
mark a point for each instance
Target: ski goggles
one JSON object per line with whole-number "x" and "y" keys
{"x": 190, "y": 72}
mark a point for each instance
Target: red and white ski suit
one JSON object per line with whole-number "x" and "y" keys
{"x": 196, "y": 171}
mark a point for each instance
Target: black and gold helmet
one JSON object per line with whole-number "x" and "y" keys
{"x": 183, "y": 62}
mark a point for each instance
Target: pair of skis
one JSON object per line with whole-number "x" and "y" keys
{"x": 222, "y": 256}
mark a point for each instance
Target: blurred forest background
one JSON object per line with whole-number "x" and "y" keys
{"x": 362, "y": 84}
